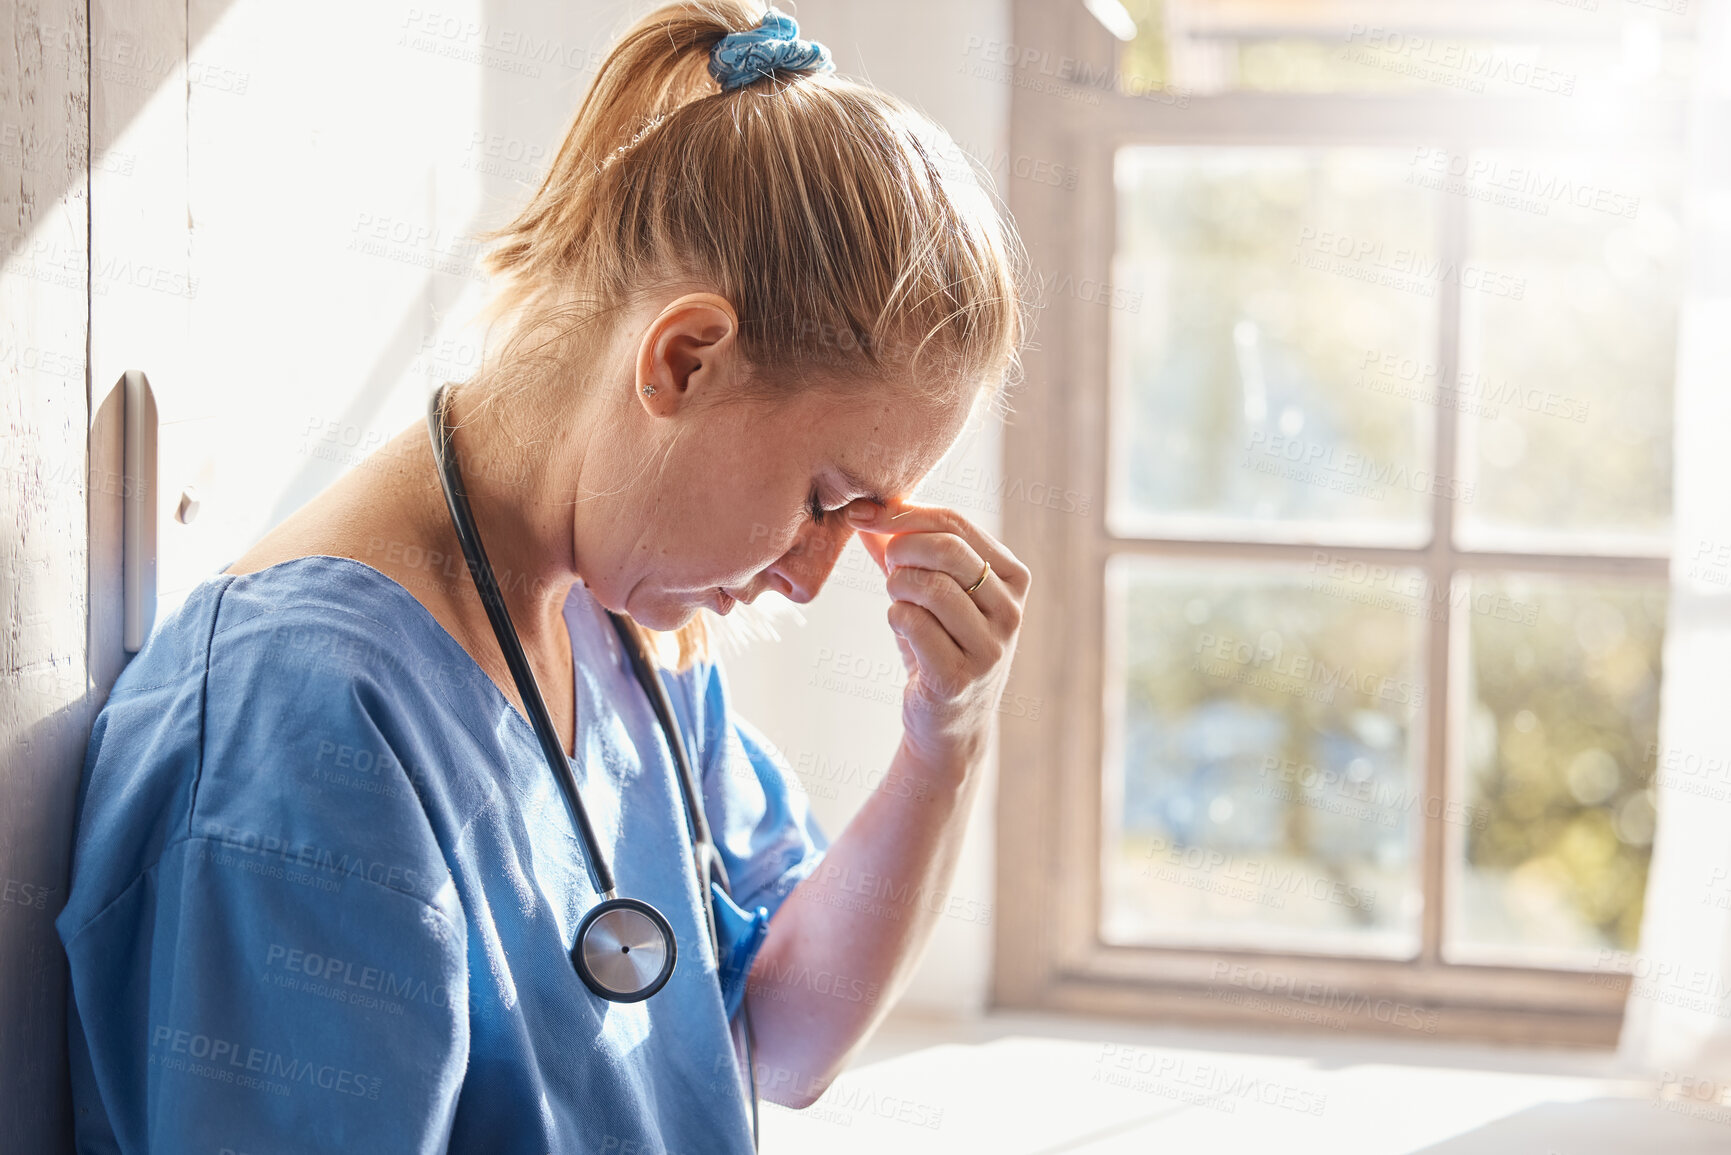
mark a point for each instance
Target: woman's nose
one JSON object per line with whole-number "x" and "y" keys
{"x": 808, "y": 561}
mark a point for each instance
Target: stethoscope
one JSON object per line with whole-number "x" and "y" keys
{"x": 625, "y": 948}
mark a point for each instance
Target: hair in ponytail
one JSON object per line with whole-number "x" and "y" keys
{"x": 833, "y": 217}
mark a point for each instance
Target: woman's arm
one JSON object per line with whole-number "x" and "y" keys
{"x": 844, "y": 945}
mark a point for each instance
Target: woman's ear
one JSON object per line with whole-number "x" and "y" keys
{"x": 689, "y": 346}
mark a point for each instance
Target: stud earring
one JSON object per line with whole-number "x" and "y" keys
{"x": 649, "y": 390}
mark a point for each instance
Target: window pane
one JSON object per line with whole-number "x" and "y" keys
{"x": 1566, "y": 388}
{"x": 1262, "y": 775}
{"x": 1560, "y": 715}
{"x": 1266, "y": 280}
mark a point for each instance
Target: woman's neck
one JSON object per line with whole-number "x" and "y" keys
{"x": 519, "y": 493}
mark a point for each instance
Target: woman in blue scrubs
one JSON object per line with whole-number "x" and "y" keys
{"x": 326, "y": 887}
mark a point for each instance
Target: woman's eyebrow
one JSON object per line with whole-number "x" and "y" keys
{"x": 856, "y": 485}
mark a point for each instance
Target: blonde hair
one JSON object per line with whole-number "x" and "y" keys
{"x": 832, "y": 216}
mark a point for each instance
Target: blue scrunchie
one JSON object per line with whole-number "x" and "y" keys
{"x": 774, "y": 45}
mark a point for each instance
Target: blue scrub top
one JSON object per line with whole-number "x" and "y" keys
{"x": 325, "y": 889}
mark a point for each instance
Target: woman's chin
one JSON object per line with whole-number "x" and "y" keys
{"x": 674, "y": 610}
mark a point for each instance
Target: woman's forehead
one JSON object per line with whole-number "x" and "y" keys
{"x": 888, "y": 450}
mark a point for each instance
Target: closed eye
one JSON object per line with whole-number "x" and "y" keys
{"x": 815, "y": 507}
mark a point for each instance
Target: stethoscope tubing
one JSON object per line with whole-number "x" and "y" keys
{"x": 707, "y": 863}
{"x": 469, "y": 537}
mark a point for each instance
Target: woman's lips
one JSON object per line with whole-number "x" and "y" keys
{"x": 723, "y": 601}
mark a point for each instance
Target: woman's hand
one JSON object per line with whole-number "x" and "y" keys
{"x": 956, "y": 646}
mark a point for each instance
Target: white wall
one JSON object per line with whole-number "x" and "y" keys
{"x": 340, "y": 159}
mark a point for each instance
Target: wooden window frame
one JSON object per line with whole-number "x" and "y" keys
{"x": 1048, "y": 951}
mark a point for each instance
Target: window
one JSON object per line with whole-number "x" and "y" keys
{"x": 1360, "y": 652}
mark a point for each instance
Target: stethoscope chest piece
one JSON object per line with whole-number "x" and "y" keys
{"x": 625, "y": 950}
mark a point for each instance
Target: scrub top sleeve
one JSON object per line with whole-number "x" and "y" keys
{"x": 758, "y": 810}
{"x": 293, "y": 966}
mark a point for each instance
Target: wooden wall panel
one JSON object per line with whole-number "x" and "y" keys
{"x": 44, "y": 704}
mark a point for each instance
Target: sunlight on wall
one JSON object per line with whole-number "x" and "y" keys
{"x": 337, "y": 184}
